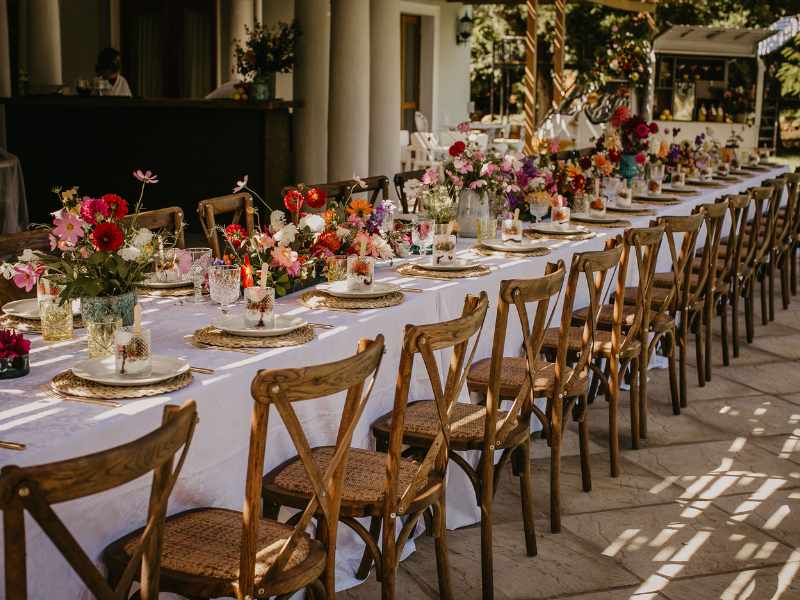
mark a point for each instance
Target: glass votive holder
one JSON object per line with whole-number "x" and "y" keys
{"x": 580, "y": 203}
{"x": 336, "y": 268}
{"x": 487, "y": 228}
{"x": 560, "y": 214}
{"x": 444, "y": 249}
{"x": 625, "y": 197}
{"x": 101, "y": 336}
{"x": 422, "y": 234}
{"x": 55, "y": 314}
{"x": 360, "y": 272}
{"x": 597, "y": 207}
{"x": 259, "y": 306}
{"x": 132, "y": 351}
{"x": 679, "y": 178}
{"x": 511, "y": 230}
{"x": 639, "y": 186}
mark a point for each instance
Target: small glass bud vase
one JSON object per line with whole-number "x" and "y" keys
{"x": 11, "y": 368}
{"x": 625, "y": 197}
{"x": 639, "y": 186}
{"x": 360, "y": 272}
{"x": 336, "y": 268}
{"x": 260, "y": 302}
{"x": 56, "y": 315}
{"x": 132, "y": 351}
{"x": 511, "y": 230}
{"x": 444, "y": 249}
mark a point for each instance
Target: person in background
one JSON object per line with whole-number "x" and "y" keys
{"x": 108, "y": 67}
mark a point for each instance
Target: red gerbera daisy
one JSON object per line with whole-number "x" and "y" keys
{"x": 107, "y": 237}
{"x": 293, "y": 201}
{"x": 117, "y": 204}
{"x": 315, "y": 198}
{"x": 235, "y": 234}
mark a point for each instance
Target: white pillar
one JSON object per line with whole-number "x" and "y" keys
{"x": 348, "y": 131}
{"x": 384, "y": 73}
{"x": 242, "y": 12}
{"x": 311, "y": 88}
{"x": 44, "y": 42}
{"x": 5, "y": 56}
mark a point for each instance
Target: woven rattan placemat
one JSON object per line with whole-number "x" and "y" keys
{"x": 32, "y": 325}
{"x": 644, "y": 212}
{"x": 619, "y": 223}
{"x": 421, "y": 271}
{"x": 70, "y": 385}
{"x": 211, "y": 336}
{"x": 535, "y": 235}
{"x": 319, "y": 299}
{"x": 681, "y": 191}
{"x": 665, "y": 201}
{"x": 541, "y": 251}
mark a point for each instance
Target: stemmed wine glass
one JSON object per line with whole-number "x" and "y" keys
{"x": 224, "y": 282}
{"x": 201, "y": 259}
{"x": 538, "y": 206}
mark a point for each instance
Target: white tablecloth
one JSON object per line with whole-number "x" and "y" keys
{"x": 215, "y": 469}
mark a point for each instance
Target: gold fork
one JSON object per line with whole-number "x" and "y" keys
{"x": 12, "y": 445}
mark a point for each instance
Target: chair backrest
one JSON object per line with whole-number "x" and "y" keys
{"x": 519, "y": 293}
{"x": 281, "y": 388}
{"x": 714, "y": 219}
{"x": 425, "y": 340}
{"x": 399, "y": 183}
{"x": 763, "y": 219}
{"x": 644, "y": 243}
{"x": 688, "y": 228}
{"x": 12, "y": 244}
{"x": 35, "y": 489}
{"x": 237, "y": 205}
{"x": 738, "y": 211}
{"x": 169, "y": 219}
{"x": 338, "y": 191}
{"x": 791, "y": 225}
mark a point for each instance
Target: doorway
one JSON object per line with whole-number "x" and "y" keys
{"x": 410, "y": 53}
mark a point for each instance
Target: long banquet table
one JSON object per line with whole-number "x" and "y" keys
{"x": 214, "y": 472}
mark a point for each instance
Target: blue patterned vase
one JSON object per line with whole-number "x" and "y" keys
{"x": 101, "y": 308}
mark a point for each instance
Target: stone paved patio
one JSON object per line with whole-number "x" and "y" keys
{"x": 708, "y": 508}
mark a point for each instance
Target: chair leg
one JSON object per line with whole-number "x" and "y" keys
{"x": 749, "y": 310}
{"x": 329, "y": 576}
{"x": 613, "y": 406}
{"x": 640, "y": 379}
{"x": 555, "y": 477}
{"x": 792, "y": 257}
{"x": 735, "y": 317}
{"x": 633, "y": 394}
{"x": 586, "y": 470}
{"x": 389, "y": 559}
{"x": 366, "y": 559}
{"x": 723, "y": 321}
{"x": 442, "y": 565}
{"x": 673, "y": 375}
{"x": 764, "y": 303}
{"x": 526, "y": 493}
{"x": 708, "y": 321}
{"x": 698, "y": 347}
{"x": 784, "y": 273}
{"x": 771, "y": 274}
{"x": 683, "y": 334}
{"x": 486, "y": 499}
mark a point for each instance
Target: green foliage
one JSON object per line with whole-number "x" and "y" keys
{"x": 789, "y": 71}
{"x": 267, "y": 50}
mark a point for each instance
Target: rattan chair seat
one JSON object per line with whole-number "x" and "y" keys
{"x": 666, "y": 280}
{"x": 602, "y": 341}
{"x": 513, "y": 373}
{"x": 203, "y": 546}
{"x": 364, "y": 476}
{"x": 606, "y": 316}
{"x": 658, "y": 296}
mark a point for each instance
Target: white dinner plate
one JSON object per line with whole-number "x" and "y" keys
{"x": 704, "y": 182}
{"x": 556, "y": 229}
{"x": 152, "y": 282}
{"x": 29, "y": 308}
{"x": 523, "y": 246}
{"x": 656, "y": 197}
{"x": 459, "y": 264}
{"x": 376, "y": 290}
{"x": 235, "y": 325}
{"x": 102, "y": 370}
{"x": 589, "y": 218}
{"x": 625, "y": 209}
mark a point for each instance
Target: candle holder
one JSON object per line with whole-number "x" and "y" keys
{"x": 560, "y": 214}
{"x": 260, "y": 303}
{"x": 360, "y": 272}
{"x": 336, "y": 268}
{"x": 133, "y": 352}
{"x": 511, "y": 230}
{"x": 444, "y": 249}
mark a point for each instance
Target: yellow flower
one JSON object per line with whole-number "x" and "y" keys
{"x": 574, "y": 171}
{"x": 663, "y": 150}
{"x": 360, "y": 208}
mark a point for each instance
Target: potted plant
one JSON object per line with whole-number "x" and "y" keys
{"x": 266, "y": 52}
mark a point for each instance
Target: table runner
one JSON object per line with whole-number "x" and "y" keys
{"x": 214, "y": 473}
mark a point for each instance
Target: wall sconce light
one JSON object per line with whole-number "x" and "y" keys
{"x": 464, "y": 29}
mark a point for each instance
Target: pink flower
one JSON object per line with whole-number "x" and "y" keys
{"x": 68, "y": 228}
{"x": 146, "y": 177}
{"x": 462, "y": 166}
{"x": 183, "y": 260}
{"x": 477, "y": 184}
{"x": 95, "y": 210}
{"x": 554, "y": 145}
{"x": 25, "y": 276}
{"x": 240, "y": 185}
{"x": 264, "y": 241}
{"x": 457, "y": 181}
{"x": 285, "y": 257}
{"x": 488, "y": 169}
{"x": 431, "y": 176}
{"x": 463, "y": 127}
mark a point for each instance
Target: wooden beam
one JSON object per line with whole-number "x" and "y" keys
{"x": 530, "y": 75}
{"x": 558, "y": 52}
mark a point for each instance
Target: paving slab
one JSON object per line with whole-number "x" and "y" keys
{"x": 752, "y": 584}
{"x": 786, "y": 346}
{"x": 775, "y": 512}
{"x": 632, "y": 593}
{"x": 771, "y": 378}
{"x": 748, "y": 416}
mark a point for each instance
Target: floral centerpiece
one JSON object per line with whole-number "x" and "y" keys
{"x": 14, "y": 354}
{"x": 266, "y": 51}
{"x": 99, "y": 255}
{"x": 630, "y": 134}
{"x": 533, "y": 186}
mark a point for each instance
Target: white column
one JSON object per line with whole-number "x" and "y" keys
{"x": 384, "y": 73}
{"x": 241, "y": 14}
{"x": 311, "y": 88}
{"x": 5, "y": 56}
{"x": 44, "y": 42}
{"x": 348, "y": 130}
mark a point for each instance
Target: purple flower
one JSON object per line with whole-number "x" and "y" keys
{"x": 145, "y": 177}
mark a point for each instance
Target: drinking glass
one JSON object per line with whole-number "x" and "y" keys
{"x": 656, "y": 178}
{"x": 560, "y": 214}
{"x": 336, "y": 268}
{"x": 444, "y": 249}
{"x": 487, "y": 228}
{"x": 422, "y": 235}
{"x": 259, "y": 308}
{"x": 538, "y": 205}
{"x": 132, "y": 351}
{"x": 360, "y": 272}
{"x": 639, "y": 186}
{"x": 102, "y": 335}
{"x": 56, "y": 315}
{"x": 512, "y": 230}
{"x": 201, "y": 259}
{"x": 580, "y": 203}
{"x": 224, "y": 284}
{"x": 597, "y": 208}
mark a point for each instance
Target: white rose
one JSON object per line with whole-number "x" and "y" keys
{"x": 129, "y": 253}
{"x": 286, "y": 235}
{"x": 142, "y": 238}
{"x": 276, "y": 220}
{"x": 7, "y": 270}
{"x": 27, "y": 255}
{"x": 314, "y": 222}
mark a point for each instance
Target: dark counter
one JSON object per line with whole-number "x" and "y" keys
{"x": 198, "y": 148}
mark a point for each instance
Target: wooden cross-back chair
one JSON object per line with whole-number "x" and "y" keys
{"x": 36, "y": 489}
{"x": 169, "y": 219}
{"x": 400, "y": 180}
{"x": 630, "y": 325}
{"x": 338, "y": 191}
{"x": 384, "y": 484}
{"x": 794, "y": 181}
{"x": 214, "y": 552}
{"x": 766, "y": 255}
{"x": 239, "y": 206}
{"x": 484, "y": 427}
{"x": 786, "y": 226}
